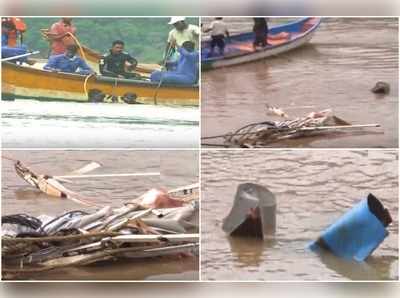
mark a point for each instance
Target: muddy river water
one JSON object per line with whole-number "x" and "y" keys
{"x": 87, "y": 125}
{"x": 313, "y": 188}
{"x": 336, "y": 70}
{"x": 177, "y": 168}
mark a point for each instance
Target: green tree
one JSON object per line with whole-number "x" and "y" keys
{"x": 144, "y": 38}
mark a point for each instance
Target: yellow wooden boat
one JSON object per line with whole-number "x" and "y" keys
{"x": 23, "y": 82}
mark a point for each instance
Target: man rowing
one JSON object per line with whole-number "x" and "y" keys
{"x": 117, "y": 63}
{"x": 186, "y": 71}
{"x": 68, "y": 62}
{"x": 182, "y": 32}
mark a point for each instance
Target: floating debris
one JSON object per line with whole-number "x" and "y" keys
{"x": 381, "y": 88}
{"x": 276, "y": 111}
{"x": 253, "y": 213}
{"x": 356, "y": 234}
{"x": 52, "y": 186}
{"x": 262, "y": 134}
{"x": 158, "y": 223}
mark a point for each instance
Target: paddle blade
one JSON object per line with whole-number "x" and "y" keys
{"x": 87, "y": 168}
{"x": 65, "y": 180}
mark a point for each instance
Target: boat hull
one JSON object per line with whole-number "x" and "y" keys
{"x": 25, "y": 82}
{"x": 254, "y": 55}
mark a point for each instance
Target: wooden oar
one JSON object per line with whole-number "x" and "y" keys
{"x": 189, "y": 187}
{"x": 161, "y": 78}
{"x": 337, "y": 127}
{"x": 155, "y": 238}
{"x": 87, "y": 168}
{"x": 174, "y": 238}
{"x": 106, "y": 175}
{"x": 20, "y": 56}
{"x": 83, "y": 170}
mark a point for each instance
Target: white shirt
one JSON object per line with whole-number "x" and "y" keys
{"x": 191, "y": 33}
{"x": 218, "y": 27}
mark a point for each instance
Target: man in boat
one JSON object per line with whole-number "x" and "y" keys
{"x": 60, "y": 35}
{"x": 117, "y": 63}
{"x": 218, "y": 30}
{"x": 12, "y": 30}
{"x": 186, "y": 72}
{"x": 260, "y": 30}
{"x": 182, "y": 32}
{"x": 68, "y": 62}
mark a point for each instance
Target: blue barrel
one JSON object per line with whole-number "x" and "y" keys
{"x": 356, "y": 234}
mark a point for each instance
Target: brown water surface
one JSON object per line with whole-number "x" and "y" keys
{"x": 313, "y": 189}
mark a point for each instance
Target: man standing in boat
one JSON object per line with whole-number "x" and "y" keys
{"x": 218, "y": 30}
{"x": 182, "y": 32}
{"x": 68, "y": 62}
{"x": 61, "y": 35}
{"x": 260, "y": 30}
{"x": 117, "y": 63}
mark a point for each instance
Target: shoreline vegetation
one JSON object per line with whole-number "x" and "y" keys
{"x": 145, "y": 38}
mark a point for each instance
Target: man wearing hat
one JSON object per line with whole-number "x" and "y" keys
{"x": 182, "y": 32}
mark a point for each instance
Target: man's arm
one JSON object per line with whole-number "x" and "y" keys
{"x": 171, "y": 43}
{"x": 55, "y": 33}
{"x": 85, "y": 69}
{"x": 132, "y": 61}
{"x": 196, "y": 31}
{"x": 208, "y": 29}
{"x": 186, "y": 53}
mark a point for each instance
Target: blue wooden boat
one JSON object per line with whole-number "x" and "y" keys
{"x": 239, "y": 48}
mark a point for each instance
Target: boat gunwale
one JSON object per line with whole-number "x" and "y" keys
{"x": 99, "y": 78}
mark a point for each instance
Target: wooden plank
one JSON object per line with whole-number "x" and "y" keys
{"x": 156, "y": 238}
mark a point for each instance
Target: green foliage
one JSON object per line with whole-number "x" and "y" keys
{"x": 145, "y": 38}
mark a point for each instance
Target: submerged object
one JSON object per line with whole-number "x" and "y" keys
{"x": 156, "y": 198}
{"x": 356, "y": 234}
{"x": 252, "y": 213}
{"x": 381, "y": 88}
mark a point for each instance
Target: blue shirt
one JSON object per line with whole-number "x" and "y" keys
{"x": 70, "y": 65}
{"x": 188, "y": 63}
{"x": 4, "y": 39}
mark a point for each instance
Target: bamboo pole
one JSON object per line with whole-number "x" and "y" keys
{"x": 155, "y": 238}
{"x": 106, "y": 175}
{"x": 283, "y": 129}
{"x": 8, "y": 240}
{"x": 75, "y": 260}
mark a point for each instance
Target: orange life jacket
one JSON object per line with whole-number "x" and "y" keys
{"x": 20, "y": 26}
